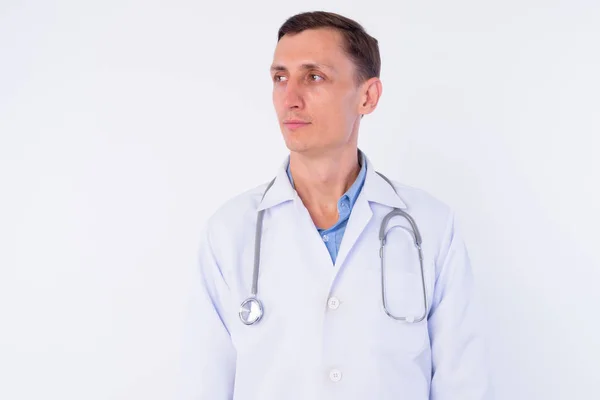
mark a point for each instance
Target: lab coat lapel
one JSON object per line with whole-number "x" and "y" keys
{"x": 359, "y": 218}
{"x": 312, "y": 240}
{"x": 375, "y": 190}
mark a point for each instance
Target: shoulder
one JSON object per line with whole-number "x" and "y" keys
{"x": 421, "y": 201}
{"x": 434, "y": 218}
{"x": 235, "y": 214}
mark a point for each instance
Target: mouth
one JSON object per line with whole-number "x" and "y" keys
{"x": 295, "y": 124}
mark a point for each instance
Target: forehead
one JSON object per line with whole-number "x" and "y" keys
{"x": 319, "y": 46}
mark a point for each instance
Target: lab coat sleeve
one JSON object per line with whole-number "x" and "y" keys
{"x": 459, "y": 369}
{"x": 208, "y": 353}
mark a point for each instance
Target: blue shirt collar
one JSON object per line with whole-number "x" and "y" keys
{"x": 352, "y": 193}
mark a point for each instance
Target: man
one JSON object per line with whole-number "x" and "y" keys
{"x": 295, "y": 297}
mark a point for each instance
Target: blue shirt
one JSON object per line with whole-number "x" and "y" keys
{"x": 332, "y": 237}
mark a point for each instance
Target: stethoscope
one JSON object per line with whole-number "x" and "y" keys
{"x": 252, "y": 310}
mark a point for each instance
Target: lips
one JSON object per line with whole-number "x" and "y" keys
{"x": 295, "y": 124}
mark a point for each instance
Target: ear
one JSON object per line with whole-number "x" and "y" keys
{"x": 371, "y": 93}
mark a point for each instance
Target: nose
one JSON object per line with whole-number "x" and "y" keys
{"x": 292, "y": 97}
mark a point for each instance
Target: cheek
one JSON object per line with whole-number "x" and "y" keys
{"x": 333, "y": 108}
{"x": 327, "y": 105}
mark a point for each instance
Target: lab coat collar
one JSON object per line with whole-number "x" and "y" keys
{"x": 280, "y": 191}
{"x": 375, "y": 188}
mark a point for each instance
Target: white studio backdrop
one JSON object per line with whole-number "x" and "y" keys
{"x": 125, "y": 124}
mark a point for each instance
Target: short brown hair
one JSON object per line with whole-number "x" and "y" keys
{"x": 362, "y": 48}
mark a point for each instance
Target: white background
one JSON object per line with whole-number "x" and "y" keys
{"x": 124, "y": 124}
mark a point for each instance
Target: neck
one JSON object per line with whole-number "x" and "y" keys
{"x": 321, "y": 180}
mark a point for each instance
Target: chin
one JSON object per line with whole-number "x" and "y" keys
{"x": 305, "y": 142}
{"x": 297, "y": 147}
{"x": 307, "y": 149}
{"x": 294, "y": 141}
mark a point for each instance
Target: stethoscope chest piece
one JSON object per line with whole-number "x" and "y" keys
{"x": 251, "y": 311}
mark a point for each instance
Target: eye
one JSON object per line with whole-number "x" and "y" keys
{"x": 316, "y": 77}
{"x": 279, "y": 78}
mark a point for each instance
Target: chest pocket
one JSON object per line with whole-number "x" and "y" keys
{"x": 399, "y": 282}
{"x": 404, "y": 298}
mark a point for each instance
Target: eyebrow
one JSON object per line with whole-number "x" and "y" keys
{"x": 304, "y": 66}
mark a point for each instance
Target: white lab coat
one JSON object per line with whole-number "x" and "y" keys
{"x": 324, "y": 334}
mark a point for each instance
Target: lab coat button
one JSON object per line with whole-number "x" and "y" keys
{"x": 333, "y": 303}
{"x": 335, "y": 375}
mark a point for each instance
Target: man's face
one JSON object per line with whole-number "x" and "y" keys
{"x": 314, "y": 83}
